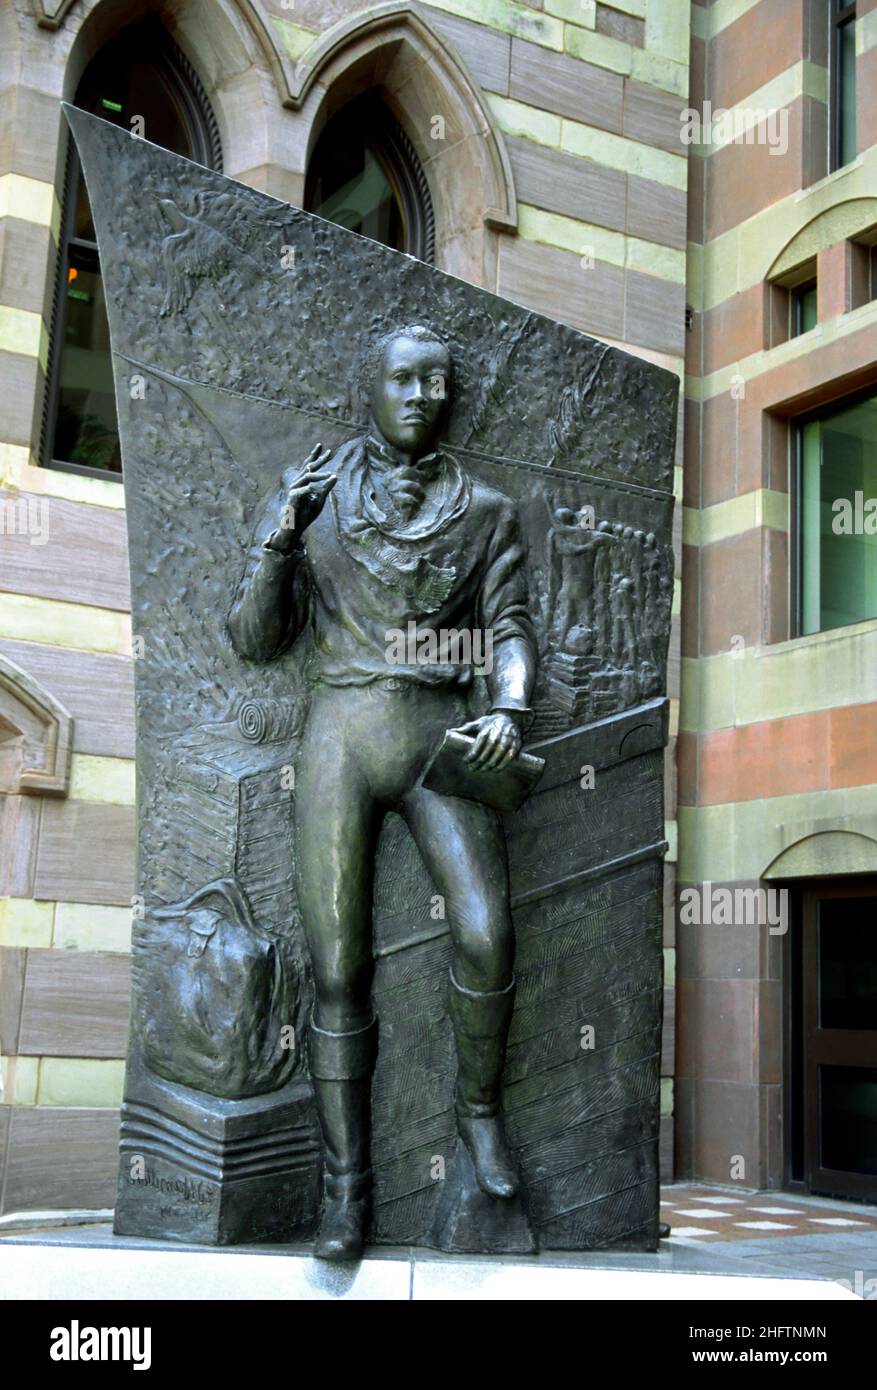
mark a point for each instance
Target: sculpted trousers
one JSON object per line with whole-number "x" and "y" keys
{"x": 363, "y": 750}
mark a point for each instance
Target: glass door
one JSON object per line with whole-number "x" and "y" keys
{"x": 840, "y": 1040}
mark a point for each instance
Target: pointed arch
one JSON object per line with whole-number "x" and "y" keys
{"x": 271, "y": 108}
{"x": 394, "y": 52}
{"x": 335, "y": 52}
{"x": 332, "y": 60}
{"x": 409, "y": 52}
{"x": 36, "y": 736}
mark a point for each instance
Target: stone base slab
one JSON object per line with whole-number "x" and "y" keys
{"x": 98, "y": 1265}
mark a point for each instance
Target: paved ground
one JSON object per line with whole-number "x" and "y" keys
{"x": 776, "y": 1233}
{"x": 714, "y": 1231}
{"x": 705, "y": 1215}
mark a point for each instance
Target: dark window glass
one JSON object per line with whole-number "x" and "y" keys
{"x": 795, "y": 1092}
{"x": 838, "y": 518}
{"x": 848, "y": 1119}
{"x": 140, "y": 74}
{"x": 843, "y": 84}
{"x": 365, "y": 175}
{"x": 848, "y": 963}
{"x": 803, "y": 308}
{"x": 85, "y": 424}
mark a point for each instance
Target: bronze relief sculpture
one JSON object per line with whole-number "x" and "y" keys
{"x": 406, "y": 538}
{"x": 401, "y": 718}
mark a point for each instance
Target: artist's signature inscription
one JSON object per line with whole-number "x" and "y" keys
{"x": 185, "y": 1189}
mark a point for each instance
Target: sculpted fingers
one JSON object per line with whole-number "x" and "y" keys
{"x": 312, "y": 485}
{"x": 510, "y": 751}
{"x": 497, "y": 742}
{"x": 480, "y": 747}
{"x": 494, "y": 751}
{"x": 316, "y": 459}
{"x": 470, "y": 729}
{"x": 513, "y": 749}
{"x": 504, "y": 749}
{"x": 308, "y": 491}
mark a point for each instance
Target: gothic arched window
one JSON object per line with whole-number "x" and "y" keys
{"x": 365, "y": 175}
{"x": 141, "y": 74}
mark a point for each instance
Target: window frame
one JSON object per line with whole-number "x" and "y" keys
{"x": 839, "y": 16}
{"x": 796, "y": 569}
{"x": 796, "y": 307}
{"x": 391, "y": 146}
{"x": 781, "y": 310}
{"x": 149, "y": 36}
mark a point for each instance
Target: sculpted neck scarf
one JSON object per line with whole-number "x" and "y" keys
{"x": 424, "y": 500}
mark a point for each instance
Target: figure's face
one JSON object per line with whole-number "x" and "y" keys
{"x": 409, "y": 393}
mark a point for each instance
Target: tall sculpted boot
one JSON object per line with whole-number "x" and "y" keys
{"x": 480, "y": 1020}
{"x": 341, "y": 1066}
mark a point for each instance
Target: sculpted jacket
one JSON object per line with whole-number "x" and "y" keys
{"x": 362, "y": 569}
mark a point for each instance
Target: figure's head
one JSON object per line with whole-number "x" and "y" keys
{"x": 407, "y": 382}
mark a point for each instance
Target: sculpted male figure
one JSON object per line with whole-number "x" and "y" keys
{"x": 384, "y": 531}
{"x": 575, "y": 553}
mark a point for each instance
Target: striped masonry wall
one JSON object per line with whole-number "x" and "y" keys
{"x": 587, "y": 98}
{"x": 775, "y": 755}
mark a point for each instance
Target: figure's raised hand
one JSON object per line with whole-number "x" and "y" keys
{"x": 305, "y": 498}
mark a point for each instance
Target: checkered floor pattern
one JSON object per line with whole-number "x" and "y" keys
{"x": 701, "y": 1215}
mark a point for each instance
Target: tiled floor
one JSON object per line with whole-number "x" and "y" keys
{"x": 703, "y": 1215}
{"x": 775, "y": 1233}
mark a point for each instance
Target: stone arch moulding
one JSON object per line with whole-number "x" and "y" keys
{"x": 431, "y": 70}
{"x": 825, "y": 854}
{"x": 220, "y": 50}
{"x": 842, "y": 222}
{"x": 36, "y": 736}
{"x": 50, "y": 14}
{"x": 336, "y": 61}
